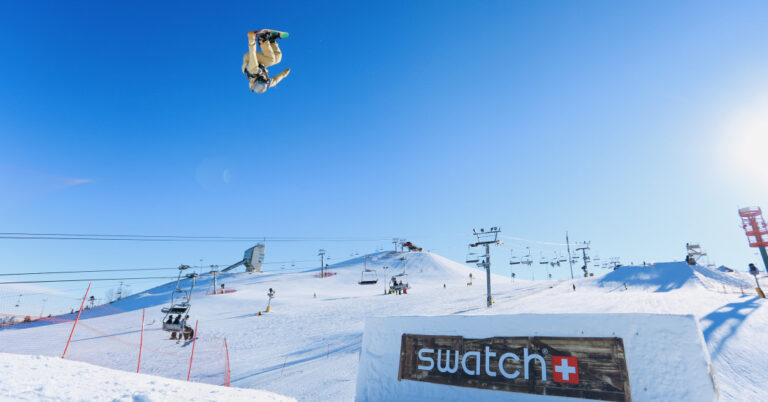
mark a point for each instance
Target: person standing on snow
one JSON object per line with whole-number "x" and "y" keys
{"x": 255, "y": 62}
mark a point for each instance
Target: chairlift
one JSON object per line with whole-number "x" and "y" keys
{"x": 18, "y": 301}
{"x": 473, "y": 258}
{"x": 180, "y": 305}
{"x": 369, "y": 277}
{"x": 399, "y": 282}
{"x": 515, "y": 260}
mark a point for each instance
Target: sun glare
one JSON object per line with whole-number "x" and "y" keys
{"x": 743, "y": 145}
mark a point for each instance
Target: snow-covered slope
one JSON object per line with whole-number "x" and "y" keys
{"x": 307, "y": 346}
{"x": 663, "y": 277}
{"x": 42, "y": 378}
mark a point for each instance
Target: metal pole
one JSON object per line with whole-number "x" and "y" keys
{"x": 141, "y": 342}
{"x": 570, "y": 260}
{"x": 228, "y": 377}
{"x": 765, "y": 257}
{"x": 76, "y": 320}
{"x": 488, "y": 272}
{"x": 192, "y": 356}
{"x": 214, "y": 282}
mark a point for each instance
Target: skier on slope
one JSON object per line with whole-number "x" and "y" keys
{"x": 255, "y": 62}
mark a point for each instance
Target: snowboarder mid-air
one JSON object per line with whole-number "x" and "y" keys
{"x": 255, "y": 62}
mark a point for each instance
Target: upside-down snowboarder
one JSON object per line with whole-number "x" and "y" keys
{"x": 255, "y": 62}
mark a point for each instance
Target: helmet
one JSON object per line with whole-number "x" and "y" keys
{"x": 259, "y": 86}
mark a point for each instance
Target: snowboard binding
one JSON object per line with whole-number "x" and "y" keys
{"x": 269, "y": 35}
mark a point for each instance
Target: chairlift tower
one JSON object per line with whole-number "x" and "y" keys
{"x": 321, "y": 253}
{"x": 757, "y": 232}
{"x": 584, "y": 257}
{"x": 694, "y": 252}
{"x": 570, "y": 259}
{"x": 214, "y": 271}
{"x": 486, "y": 238}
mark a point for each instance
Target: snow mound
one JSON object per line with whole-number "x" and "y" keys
{"x": 41, "y": 378}
{"x": 723, "y": 268}
{"x": 668, "y": 276}
{"x": 423, "y": 265}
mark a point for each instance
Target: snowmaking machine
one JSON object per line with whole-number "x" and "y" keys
{"x": 412, "y": 247}
{"x": 252, "y": 259}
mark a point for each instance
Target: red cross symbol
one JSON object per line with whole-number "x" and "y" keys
{"x": 565, "y": 369}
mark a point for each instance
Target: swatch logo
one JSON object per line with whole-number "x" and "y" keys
{"x": 577, "y": 367}
{"x": 565, "y": 369}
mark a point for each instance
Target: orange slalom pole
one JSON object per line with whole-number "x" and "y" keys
{"x": 141, "y": 342}
{"x": 228, "y": 374}
{"x": 76, "y": 320}
{"x": 193, "y": 351}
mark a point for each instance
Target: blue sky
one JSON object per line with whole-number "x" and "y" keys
{"x": 638, "y": 126}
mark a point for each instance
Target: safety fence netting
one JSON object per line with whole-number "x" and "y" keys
{"x": 110, "y": 337}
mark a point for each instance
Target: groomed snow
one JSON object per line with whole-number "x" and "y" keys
{"x": 43, "y": 378}
{"x": 308, "y": 347}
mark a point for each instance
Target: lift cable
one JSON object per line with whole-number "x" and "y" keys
{"x": 127, "y": 237}
{"x": 88, "y": 280}
{"x": 134, "y": 269}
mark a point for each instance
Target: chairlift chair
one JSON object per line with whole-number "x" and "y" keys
{"x": 369, "y": 277}
{"x": 396, "y": 286}
{"x": 177, "y": 307}
{"x": 473, "y": 258}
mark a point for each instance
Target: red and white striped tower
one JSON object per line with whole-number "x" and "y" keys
{"x": 757, "y": 232}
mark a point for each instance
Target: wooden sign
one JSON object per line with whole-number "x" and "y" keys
{"x": 589, "y": 368}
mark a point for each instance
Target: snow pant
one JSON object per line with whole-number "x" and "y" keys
{"x": 269, "y": 55}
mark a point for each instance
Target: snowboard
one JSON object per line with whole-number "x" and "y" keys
{"x": 266, "y": 33}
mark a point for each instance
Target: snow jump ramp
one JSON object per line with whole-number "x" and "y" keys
{"x": 535, "y": 357}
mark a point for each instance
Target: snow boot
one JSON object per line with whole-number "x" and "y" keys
{"x": 270, "y": 35}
